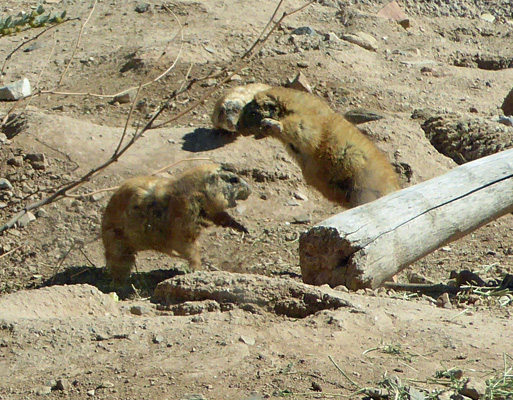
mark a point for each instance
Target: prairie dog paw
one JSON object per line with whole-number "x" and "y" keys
{"x": 272, "y": 125}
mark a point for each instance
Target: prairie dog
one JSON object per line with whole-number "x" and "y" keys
{"x": 167, "y": 215}
{"x": 228, "y": 108}
{"x": 334, "y": 156}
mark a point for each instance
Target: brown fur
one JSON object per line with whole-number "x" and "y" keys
{"x": 167, "y": 215}
{"x": 334, "y": 156}
{"x": 229, "y": 106}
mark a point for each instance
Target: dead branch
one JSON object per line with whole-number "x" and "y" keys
{"x": 120, "y": 150}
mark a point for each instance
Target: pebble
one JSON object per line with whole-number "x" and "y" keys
{"x": 299, "y": 83}
{"x": 250, "y": 341}
{"x": 62, "y": 384}
{"x": 16, "y": 90}
{"x": 37, "y": 160}
{"x": 304, "y": 30}
{"x": 363, "y": 40}
{"x": 91, "y": 392}
{"x": 26, "y": 219}
{"x": 300, "y": 196}
{"x": 123, "y": 98}
{"x": 302, "y": 64}
{"x": 15, "y": 161}
{"x": 487, "y": 17}
{"x": 508, "y": 121}
{"x": 43, "y": 390}
{"x": 157, "y": 339}
{"x": 5, "y": 184}
{"x": 139, "y": 310}
{"x": 302, "y": 219}
{"x": 142, "y": 7}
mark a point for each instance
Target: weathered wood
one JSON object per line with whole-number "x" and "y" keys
{"x": 364, "y": 246}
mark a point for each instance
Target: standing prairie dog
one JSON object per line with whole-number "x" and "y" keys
{"x": 228, "y": 108}
{"x": 167, "y": 215}
{"x": 334, "y": 156}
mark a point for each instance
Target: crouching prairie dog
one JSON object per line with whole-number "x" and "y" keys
{"x": 334, "y": 156}
{"x": 229, "y": 106}
{"x": 167, "y": 215}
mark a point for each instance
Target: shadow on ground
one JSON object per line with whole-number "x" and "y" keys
{"x": 140, "y": 284}
{"x": 203, "y": 139}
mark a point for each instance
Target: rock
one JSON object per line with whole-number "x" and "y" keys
{"x": 140, "y": 60}
{"x": 15, "y": 161}
{"x": 157, "y": 339}
{"x": 487, "y": 17}
{"x": 360, "y": 116}
{"x": 362, "y": 39}
{"x": 304, "y": 30}
{"x": 26, "y": 219}
{"x": 123, "y": 98}
{"x": 139, "y": 310}
{"x": 43, "y": 390}
{"x": 91, "y": 392}
{"x": 299, "y": 83}
{"x": 62, "y": 384}
{"x": 302, "y": 64}
{"x": 475, "y": 389}
{"x": 393, "y": 11}
{"x": 142, "y": 7}
{"x": 508, "y": 121}
{"x": 5, "y": 184}
{"x": 300, "y": 196}
{"x": 37, "y": 160}
{"x": 16, "y": 90}
{"x": 507, "y": 105}
{"x": 302, "y": 219}
{"x": 444, "y": 301}
{"x": 105, "y": 385}
{"x": 194, "y": 397}
{"x": 3, "y": 138}
{"x": 250, "y": 341}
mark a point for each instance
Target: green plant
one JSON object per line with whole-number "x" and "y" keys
{"x": 35, "y": 19}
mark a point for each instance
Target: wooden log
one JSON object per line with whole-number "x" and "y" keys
{"x": 365, "y": 246}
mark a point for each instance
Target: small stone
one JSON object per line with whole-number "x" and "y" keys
{"x": 302, "y": 219}
{"x": 123, "y": 98}
{"x": 139, "y": 310}
{"x": 300, "y": 196}
{"x": 5, "y": 184}
{"x": 194, "y": 397}
{"x": 393, "y": 11}
{"x": 333, "y": 38}
{"x": 444, "y": 301}
{"x": 157, "y": 339}
{"x": 362, "y": 39}
{"x": 91, "y": 392}
{"x": 142, "y": 7}
{"x": 250, "y": 341}
{"x": 208, "y": 83}
{"x": 43, "y": 390}
{"x": 304, "y": 30}
{"x": 3, "y": 138}
{"x": 508, "y": 121}
{"x": 96, "y": 197}
{"x": 62, "y": 384}
{"x": 37, "y": 160}
{"x": 105, "y": 385}
{"x": 16, "y": 90}
{"x": 299, "y": 83}
{"x": 41, "y": 213}
{"x": 360, "y": 116}
{"x": 236, "y": 78}
{"x": 15, "y": 161}
{"x": 302, "y": 64}
{"x": 487, "y": 17}
{"x": 292, "y": 203}
{"x": 475, "y": 389}
{"x": 3, "y": 204}
{"x": 26, "y": 219}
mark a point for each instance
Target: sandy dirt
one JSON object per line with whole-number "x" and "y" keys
{"x": 63, "y": 334}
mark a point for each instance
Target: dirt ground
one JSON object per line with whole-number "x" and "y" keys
{"x": 77, "y": 341}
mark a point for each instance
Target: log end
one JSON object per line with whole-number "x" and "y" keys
{"x": 323, "y": 256}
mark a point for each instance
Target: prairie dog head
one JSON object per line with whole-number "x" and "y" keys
{"x": 228, "y": 108}
{"x": 222, "y": 188}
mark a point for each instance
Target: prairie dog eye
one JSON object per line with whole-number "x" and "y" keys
{"x": 234, "y": 179}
